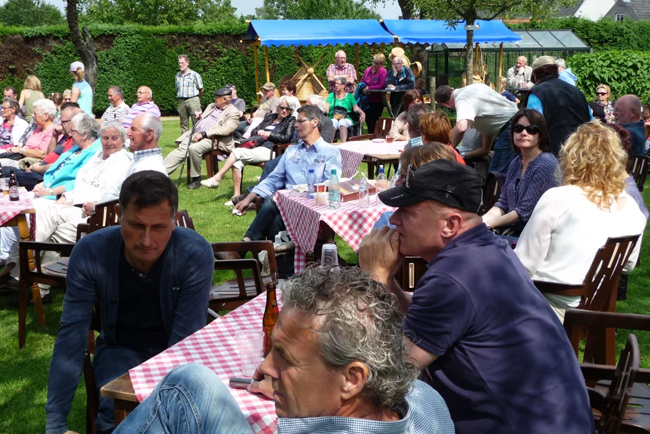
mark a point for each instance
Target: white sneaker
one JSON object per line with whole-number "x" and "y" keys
{"x": 229, "y": 203}
{"x": 210, "y": 183}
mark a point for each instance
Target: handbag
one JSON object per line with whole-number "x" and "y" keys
{"x": 340, "y": 112}
{"x": 254, "y": 142}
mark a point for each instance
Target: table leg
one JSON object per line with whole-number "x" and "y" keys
{"x": 122, "y": 409}
{"x": 371, "y": 169}
{"x": 387, "y": 105}
{"x": 23, "y": 232}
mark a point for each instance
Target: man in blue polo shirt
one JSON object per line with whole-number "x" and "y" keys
{"x": 477, "y": 327}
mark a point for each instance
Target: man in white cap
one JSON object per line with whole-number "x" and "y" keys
{"x": 564, "y": 107}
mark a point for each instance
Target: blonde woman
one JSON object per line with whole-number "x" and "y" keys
{"x": 602, "y": 107}
{"x": 67, "y": 95}
{"x": 570, "y": 223}
{"x": 31, "y": 92}
{"x": 82, "y": 93}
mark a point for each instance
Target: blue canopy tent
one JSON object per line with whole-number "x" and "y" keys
{"x": 268, "y": 33}
{"x": 433, "y": 32}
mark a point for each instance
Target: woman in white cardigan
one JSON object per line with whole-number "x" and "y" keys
{"x": 103, "y": 173}
{"x": 570, "y": 223}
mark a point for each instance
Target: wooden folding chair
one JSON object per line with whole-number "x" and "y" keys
{"x": 493, "y": 184}
{"x": 639, "y": 165}
{"x": 183, "y": 219}
{"x": 92, "y": 397}
{"x": 412, "y": 271}
{"x": 105, "y": 215}
{"x": 233, "y": 293}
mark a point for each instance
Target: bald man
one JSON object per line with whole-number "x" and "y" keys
{"x": 144, "y": 105}
{"x": 340, "y": 68}
{"x": 627, "y": 112}
{"x": 520, "y": 75}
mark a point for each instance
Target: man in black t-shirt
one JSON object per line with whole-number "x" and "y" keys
{"x": 476, "y": 326}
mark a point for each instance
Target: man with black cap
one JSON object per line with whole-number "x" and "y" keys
{"x": 476, "y": 326}
{"x": 218, "y": 121}
{"x": 564, "y": 107}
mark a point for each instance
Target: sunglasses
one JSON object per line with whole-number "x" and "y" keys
{"x": 601, "y": 93}
{"x": 285, "y": 108}
{"x": 530, "y": 129}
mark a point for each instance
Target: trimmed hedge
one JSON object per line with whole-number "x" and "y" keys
{"x": 131, "y": 56}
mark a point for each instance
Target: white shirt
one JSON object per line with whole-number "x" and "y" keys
{"x": 99, "y": 176}
{"x": 566, "y": 230}
{"x": 486, "y": 108}
{"x": 18, "y": 129}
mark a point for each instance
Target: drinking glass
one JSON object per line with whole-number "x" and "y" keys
{"x": 249, "y": 344}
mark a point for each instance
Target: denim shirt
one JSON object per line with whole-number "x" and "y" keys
{"x": 295, "y": 164}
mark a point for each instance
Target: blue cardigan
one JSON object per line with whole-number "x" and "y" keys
{"x": 188, "y": 266}
{"x": 64, "y": 170}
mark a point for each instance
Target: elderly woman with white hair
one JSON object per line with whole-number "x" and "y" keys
{"x": 40, "y": 141}
{"x": 101, "y": 176}
{"x": 276, "y": 128}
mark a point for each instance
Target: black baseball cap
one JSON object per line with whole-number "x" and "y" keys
{"x": 446, "y": 181}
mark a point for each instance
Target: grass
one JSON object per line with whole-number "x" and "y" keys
{"x": 24, "y": 373}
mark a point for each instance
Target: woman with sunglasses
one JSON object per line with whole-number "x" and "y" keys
{"x": 602, "y": 108}
{"x": 530, "y": 174}
{"x": 572, "y": 222}
{"x": 275, "y": 128}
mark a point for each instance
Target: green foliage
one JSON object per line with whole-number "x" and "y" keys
{"x": 153, "y": 12}
{"x": 602, "y": 35}
{"x": 315, "y": 10}
{"x": 29, "y": 13}
{"x": 626, "y": 72}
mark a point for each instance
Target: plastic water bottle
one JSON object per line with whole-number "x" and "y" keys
{"x": 334, "y": 191}
{"x": 364, "y": 193}
{"x": 311, "y": 180}
{"x": 381, "y": 184}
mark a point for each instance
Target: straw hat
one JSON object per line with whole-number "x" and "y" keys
{"x": 399, "y": 52}
{"x": 416, "y": 67}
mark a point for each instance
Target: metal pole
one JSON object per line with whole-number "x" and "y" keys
{"x": 257, "y": 74}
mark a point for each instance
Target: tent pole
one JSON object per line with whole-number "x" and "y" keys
{"x": 266, "y": 63}
{"x": 356, "y": 54}
{"x": 500, "y": 62}
{"x": 257, "y": 74}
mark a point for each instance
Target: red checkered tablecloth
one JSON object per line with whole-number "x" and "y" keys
{"x": 353, "y": 152}
{"x": 214, "y": 346}
{"x": 302, "y": 217}
{"x": 9, "y": 209}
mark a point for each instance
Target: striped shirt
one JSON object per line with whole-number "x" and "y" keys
{"x": 188, "y": 85}
{"x": 113, "y": 113}
{"x": 206, "y": 123}
{"x": 138, "y": 109}
{"x": 346, "y": 71}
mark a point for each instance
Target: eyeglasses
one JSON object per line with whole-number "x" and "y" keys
{"x": 37, "y": 114}
{"x": 300, "y": 121}
{"x": 338, "y": 83}
{"x": 65, "y": 122}
{"x": 601, "y": 93}
{"x": 340, "y": 58}
{"x": 73, "y": 131}
{"x": 530, "y": 129}
{"x": 6, "y": 108}
{"x": 284, "y": 108}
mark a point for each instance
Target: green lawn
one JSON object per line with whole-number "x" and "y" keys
{"x": 23, "y": 373}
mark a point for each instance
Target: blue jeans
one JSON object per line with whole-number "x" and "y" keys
{"x": 25, "y": 179}
{"x": 110, "y": 362}
{"x": 267, "y": 223}
{"x": 503, "y": 153}
{"x": 190, "y": 399}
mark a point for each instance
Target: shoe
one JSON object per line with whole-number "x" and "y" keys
{"x": 46, "y": 300}
{"x": 235, "y": 200}
{"x": 284, "y": 247}
{"x": 8, "y": 283}
{"x": 210, "y": 183}
{"x": 229, "y": 203}
{"x": 194, "y": 185}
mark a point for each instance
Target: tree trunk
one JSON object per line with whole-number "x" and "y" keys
{"x": 406, "y": 8}
{"x": 83, "y": 43}
{"x": 419, "y": 54}
{"x": 469, "y": 66}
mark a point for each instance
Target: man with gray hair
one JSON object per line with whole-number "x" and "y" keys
{"x": 219, "y": 121}
{"x": 328, "y": 131}
{"x": 341, "y": 69}
{"x": 144, "y": 105}
{"x": 118, "y": 108}
{"x": 144, "y": 134}
{"x": 521, "y": 75}
{"x": 337, "y": 365}
{"x": 565, "y": 73}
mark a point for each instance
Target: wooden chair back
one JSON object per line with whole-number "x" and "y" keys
{"x": 234, "y": 293}
{"x": 493, "y": 184}
{"x": 105, "y": 216}
{"x": 382, "y": 127}
{"x": 412, "y": 271}
{"x": 639, "y": 169}
{"x": 613, "y": 404}
{"x": 29, "y": 277}
{"x": 183, "y": 219}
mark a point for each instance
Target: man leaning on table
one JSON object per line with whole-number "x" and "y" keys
{"x": 152, "y": 280}
{"x": 337, "y": 366}
{"x": 481, "y": 333}
{"x": 311, "y": 151}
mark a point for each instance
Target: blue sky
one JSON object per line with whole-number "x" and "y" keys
{"x": 247, "y": 7}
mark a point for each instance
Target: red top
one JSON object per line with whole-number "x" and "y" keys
{"x": 58, "y": 150}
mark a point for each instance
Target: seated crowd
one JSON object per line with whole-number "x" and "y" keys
{"x": 472, "y": 349}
